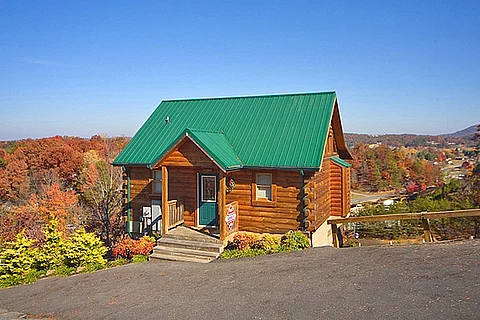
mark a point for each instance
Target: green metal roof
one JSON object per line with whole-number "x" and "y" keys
{"x": 288, "y": 130}
{"x": 215, "y": 144}
{"x": 341, "y": 162}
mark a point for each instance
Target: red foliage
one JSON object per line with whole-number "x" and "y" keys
{"x": 128, "y": 247}
{"x": 14, "y": 180}
{"x": 243, "y": 241}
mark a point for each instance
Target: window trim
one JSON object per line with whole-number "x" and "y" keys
{"x": 155, "y": 182}
{"x": 264, "y": 202}
{"x": 202, "y": 190}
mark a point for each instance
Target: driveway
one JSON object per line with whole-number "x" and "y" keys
{"x": 429, "y": 281}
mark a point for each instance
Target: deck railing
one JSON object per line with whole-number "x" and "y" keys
{"x": 231, "y": 217}
{"x": 175, "y": 213}
{"x": 423, "y": 216}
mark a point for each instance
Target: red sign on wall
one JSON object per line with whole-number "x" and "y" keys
{"x": 231, "y": 217}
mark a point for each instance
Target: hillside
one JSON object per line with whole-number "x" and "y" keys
{"x": 465, "y": 133}
{"x": 461, "y": 137}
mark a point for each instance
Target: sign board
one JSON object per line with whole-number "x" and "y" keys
{"x": 147, "y": 212}
{"x": 231, "y": 217}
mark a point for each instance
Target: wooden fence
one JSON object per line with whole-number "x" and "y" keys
{"x": 424, "y": 216}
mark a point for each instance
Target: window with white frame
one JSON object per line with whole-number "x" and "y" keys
{"x": 264, "y": 186}
{"x": 157, "y": 181}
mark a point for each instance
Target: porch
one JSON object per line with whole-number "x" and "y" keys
{"x": 223, "y": 217}
{"x": 190, "y": 244}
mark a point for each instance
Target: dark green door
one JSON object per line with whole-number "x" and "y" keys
{"x": 208, "y": 200}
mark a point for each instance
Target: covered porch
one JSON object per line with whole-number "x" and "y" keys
{"x": 207, "y": 211}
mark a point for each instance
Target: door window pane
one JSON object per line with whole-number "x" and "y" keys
{"x": 209, "y": 188}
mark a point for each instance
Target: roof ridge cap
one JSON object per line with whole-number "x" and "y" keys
{"x": 251, "y": 96}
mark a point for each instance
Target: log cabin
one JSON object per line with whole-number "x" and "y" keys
{"x": 264, "y": 164}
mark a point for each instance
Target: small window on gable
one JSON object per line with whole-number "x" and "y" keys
{"x": 264, "y": 186}
{"x": 157, "y": 181}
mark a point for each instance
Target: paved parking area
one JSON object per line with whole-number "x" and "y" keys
{"x": 429, "y": 281}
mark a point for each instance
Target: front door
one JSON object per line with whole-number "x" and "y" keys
{"x": 207, "y": 212}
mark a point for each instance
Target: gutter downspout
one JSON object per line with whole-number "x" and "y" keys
{"x": 129, "y": 205}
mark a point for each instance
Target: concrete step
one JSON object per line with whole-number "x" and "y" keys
{"x": 169, "y": 257}
{"x": 188, "y": 234}
{"x": 186, "y": 251}
{"x": 184, "y": 244}
{"x": 191, "y": 244}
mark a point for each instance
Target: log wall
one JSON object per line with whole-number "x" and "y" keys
{"x": 183, "y": 165}
{"x": 141, "y": 190}
{"x": 326, "y": 193}
{"x": 336, "y": 194}
{"x": 274, "y": 217}
{"x": 318, "y": 188}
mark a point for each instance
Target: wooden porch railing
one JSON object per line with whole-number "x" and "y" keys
{"x": 424, "y": 216}
{"x": 231, "y": 217}
{"x": 175, "y": 213}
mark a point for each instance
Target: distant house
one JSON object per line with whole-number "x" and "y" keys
{"x": 265, "y": 164}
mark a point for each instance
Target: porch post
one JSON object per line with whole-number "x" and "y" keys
{"x": 222, "y": 191}
{"x": 165, "y": 213}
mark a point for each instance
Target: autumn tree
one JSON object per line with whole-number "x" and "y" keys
{"x": 14, "y": 179}
{"x": 100, "y": 185}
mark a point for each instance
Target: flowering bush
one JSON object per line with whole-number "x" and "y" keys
{"x": 244, "y": 241}
{"x": 128, "y": 247}
{"x": 248, "y": 245}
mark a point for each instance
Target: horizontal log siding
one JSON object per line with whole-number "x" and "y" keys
{"x": 318, "y": 188}
{"x": 336, "y": 187}
{"x": 141, "y": 190}
{"x": 347, "y": 193}
{"x": 188, "y": 155}
{"x": 279, "y": 218}
{"x": 184, "y": 164}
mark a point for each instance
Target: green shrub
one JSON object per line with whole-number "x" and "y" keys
{"x": 50, "y": 255}
{"x": 92, "y": 267}
{"x": 19, "y": 257}
{"x": 83, "y": 249}
{"x": 139, "y": 258}
{"x": 117, "y": 262}
{"x": 32, "y": 276}
{"x": 128, "y": 247}
{"x": 237, "y": 253}
{"x": 268, "y": 243}
{"x": 29, "y": 277}
{"x": 149, "y": 239}
{"x": 9, "y": 280}
{"x": 295, "y": 240}
{"x": 64, "y": 271}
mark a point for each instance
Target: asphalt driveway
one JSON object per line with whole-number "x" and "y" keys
{"x": 429, "y": 281}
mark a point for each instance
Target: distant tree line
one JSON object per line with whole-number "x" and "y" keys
{"x": 382, "y": 168}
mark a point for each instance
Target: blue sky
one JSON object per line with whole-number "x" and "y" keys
{"x": 85, "y": 67}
